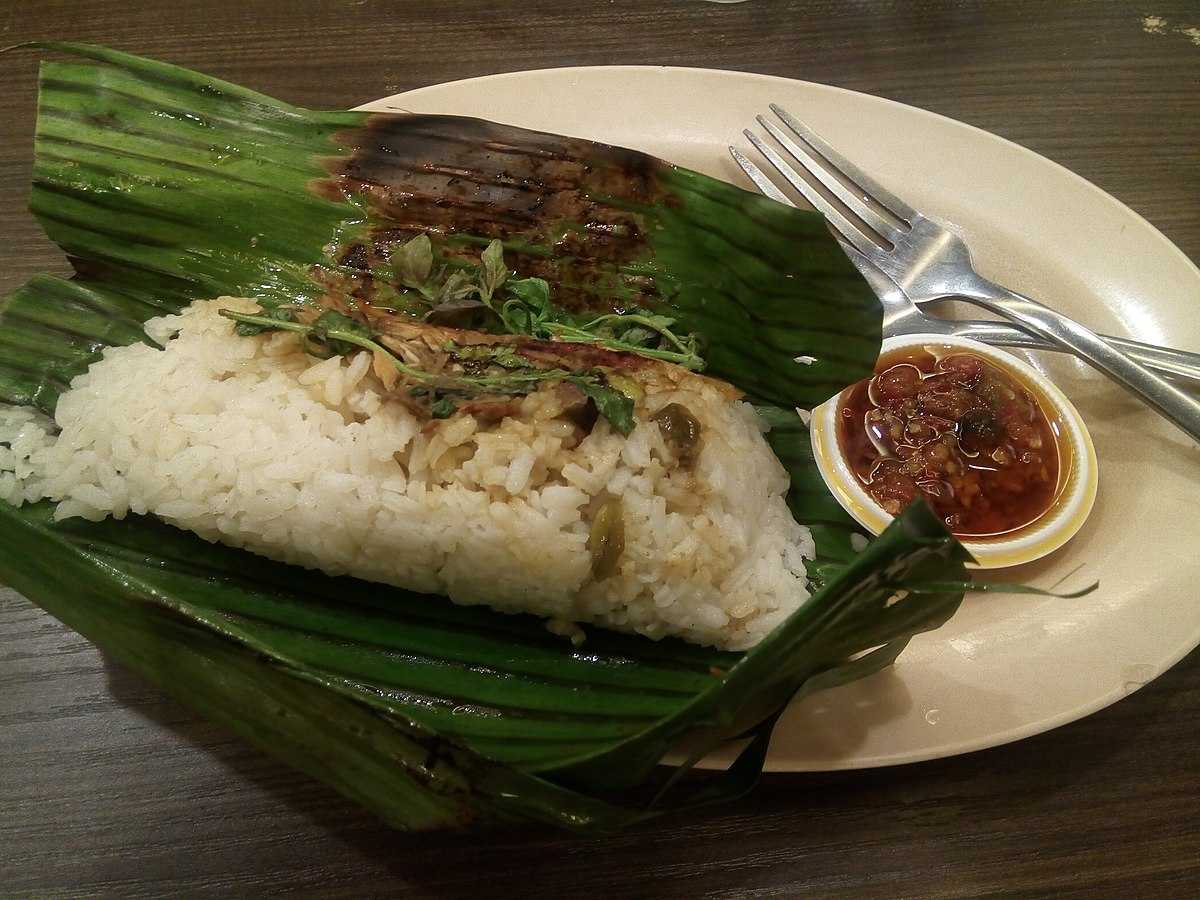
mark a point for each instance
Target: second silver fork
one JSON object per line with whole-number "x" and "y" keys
{"x": 902, "y": 316}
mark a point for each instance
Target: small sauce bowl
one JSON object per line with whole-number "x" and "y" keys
{"x": 1076, "y": 489}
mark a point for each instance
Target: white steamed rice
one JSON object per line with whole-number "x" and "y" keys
{"x": 250, "y": 442}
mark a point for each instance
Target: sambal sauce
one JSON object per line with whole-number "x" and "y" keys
{"x": 959, "y": 431}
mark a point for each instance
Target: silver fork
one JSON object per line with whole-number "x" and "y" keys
{"x": 902, "y": 316}
{"x": 929, "y": 262}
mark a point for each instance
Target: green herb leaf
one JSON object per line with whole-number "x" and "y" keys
{"x": 465, "y": 312}
{"x": 637, "y": 336}
{"x": 634, "y": 326}
{"x": 533, "y": 293}
{"x": 343, "y": 325}
{"x": 495, "y": 354}
{"x": 332, "y": 320}
{"x": 610, "y": 403}
{"x": 414, "y": 262}
{"x": 280, "y": 314}
{"x": 494, "y": 271}
{"x": 443, "y": 408}
{"x": 528, "y": 311}
{"x": 458, "y": 286}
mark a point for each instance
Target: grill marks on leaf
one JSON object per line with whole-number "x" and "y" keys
{"x": 466, "y": 181}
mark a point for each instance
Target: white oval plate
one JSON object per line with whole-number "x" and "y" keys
{"x": 1005, "y": 667}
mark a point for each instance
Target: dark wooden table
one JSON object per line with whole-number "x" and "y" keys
{"x": 106, "y": 786}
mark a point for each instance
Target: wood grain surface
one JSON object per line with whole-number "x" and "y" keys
{"x": 109, "y": 787}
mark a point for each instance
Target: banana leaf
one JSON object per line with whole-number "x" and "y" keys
{"x": 163, "y": 186}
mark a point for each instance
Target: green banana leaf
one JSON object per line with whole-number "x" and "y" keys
{"x": 164, "y": 186}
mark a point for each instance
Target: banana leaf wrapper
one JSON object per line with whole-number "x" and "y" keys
{"x": 164, "y": 186}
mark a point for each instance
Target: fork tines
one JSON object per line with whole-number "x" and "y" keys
{"x": 863, "y": 212}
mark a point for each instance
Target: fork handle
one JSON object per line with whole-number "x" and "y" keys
{"x": 1181, "y": 365}
{"x": 1162, "y": 396}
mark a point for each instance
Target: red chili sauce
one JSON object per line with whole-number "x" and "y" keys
{"x": 959, "y": 431}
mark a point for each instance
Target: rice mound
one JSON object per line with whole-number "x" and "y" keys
{"x": 255, "y": 444}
